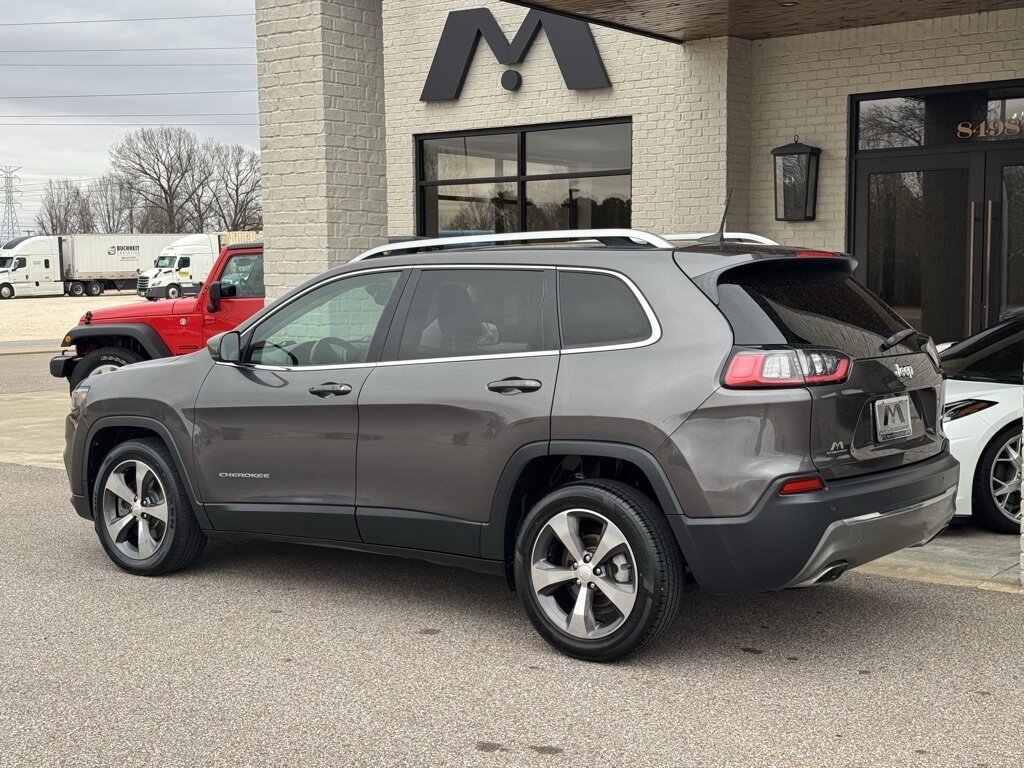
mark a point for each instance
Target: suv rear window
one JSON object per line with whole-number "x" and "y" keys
{"x": 808, "y": 303}
{"x": 598, "y": 310}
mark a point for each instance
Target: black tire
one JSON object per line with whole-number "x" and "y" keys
{"x": 984, "y": 508}
{"x": 102, "y": 357}
{"x": 76, "y": 289}
{"x": 6, "y": 292}
{"x": 174, "y": 291}
{"x": 93, "y": 288}
{"x": 182, "y": 539}
{"x": 658, "y": 573}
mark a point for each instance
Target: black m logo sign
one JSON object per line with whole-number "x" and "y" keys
{"x": 571, "y": 40}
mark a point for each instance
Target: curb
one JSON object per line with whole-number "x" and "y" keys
{"x": 31, "y": 351}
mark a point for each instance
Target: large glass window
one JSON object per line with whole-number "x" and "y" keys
{"x": 468, "y": 312}
{"x": 943, "y": 117}
{"x": 574, "y": 176}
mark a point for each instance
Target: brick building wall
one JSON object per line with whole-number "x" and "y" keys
{"x": 800, "y": 85}
{"x": 676, "y": 96}
{"x": 334, "y": 73}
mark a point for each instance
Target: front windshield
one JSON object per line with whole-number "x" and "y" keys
{"x": 6, "y": 261}
{"x": 993, "y": 355}
{"x": 163, "y": 262}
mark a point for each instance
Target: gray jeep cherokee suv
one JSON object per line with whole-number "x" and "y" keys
{"x": 606, "y": 423}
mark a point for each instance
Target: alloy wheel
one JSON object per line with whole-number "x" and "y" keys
{"x": 135, "y": 509}
{"x": 583, "y": 572}
{"x": 1005, "y": 479}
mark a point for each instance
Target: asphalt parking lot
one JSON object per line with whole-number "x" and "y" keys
{"x": 276, "y": 654}
{"x": 272, "y": 654}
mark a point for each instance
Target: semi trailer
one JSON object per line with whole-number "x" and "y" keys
{"x": 79, "y": 265}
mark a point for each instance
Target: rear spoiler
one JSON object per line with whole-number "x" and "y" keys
{"x": 706, "y": 269}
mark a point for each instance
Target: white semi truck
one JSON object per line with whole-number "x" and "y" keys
{"x": 180, "y": 265}
{"x": 184, "y": 265}
{"x": 79, "y": 265}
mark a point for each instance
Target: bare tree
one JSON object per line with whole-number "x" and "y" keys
{"x": 164, "y": 166}
{"x": 112, "y": 206}
{"x": 65, "y": 209}
{"x": 237, "y": 198}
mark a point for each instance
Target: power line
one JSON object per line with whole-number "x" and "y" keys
{"x": 113, "y": 95}
{"x": 118, "y": 50}
{"x": 150, "y": 125}
{"x": 135, "y": 114}
{"x": 122, "y": 21}
{"x": 133, "y": 66}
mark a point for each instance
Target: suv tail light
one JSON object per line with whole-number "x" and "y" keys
{"x": 755, "y": 368}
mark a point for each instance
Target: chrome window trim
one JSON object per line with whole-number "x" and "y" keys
{"x": 648, "y": 310}
{"x": 644, "y": 304}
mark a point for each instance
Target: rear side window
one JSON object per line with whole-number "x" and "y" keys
{"x": 808, "y": 303}
{"x": 599, "y": 310}
{"x": 472, "y": 312}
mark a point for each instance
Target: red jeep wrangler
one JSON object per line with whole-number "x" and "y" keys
{"x": 106, "y": 339}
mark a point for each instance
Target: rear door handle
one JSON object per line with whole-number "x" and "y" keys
{"x": 514, "y": 386}
{"x": 330, "y": 389}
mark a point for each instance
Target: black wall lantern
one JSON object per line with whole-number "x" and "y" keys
{"x": 796, "y": 181}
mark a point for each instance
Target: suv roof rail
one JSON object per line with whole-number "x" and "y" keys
{"x": 609, "y": 237}
{"x": 736, "y": 237}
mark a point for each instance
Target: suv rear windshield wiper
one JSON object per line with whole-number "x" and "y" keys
{"x": 896, "y": 338}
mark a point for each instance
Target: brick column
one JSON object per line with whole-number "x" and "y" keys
{"x": 713, "y": 105}
{"x": 321, "y": 102}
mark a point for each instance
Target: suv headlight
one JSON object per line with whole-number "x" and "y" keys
{"x": 78, "y": 397}
{"x": 961, "y": 408}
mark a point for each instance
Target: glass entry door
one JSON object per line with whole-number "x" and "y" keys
{"x": 1004, "y": 233}
{"x": 918, "y": 239}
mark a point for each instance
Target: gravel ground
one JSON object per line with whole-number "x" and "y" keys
{"x": 50, "y": 317}
{"x": 271, "y": 654}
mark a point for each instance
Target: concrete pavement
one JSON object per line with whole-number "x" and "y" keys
{"x": 271, "y": 654}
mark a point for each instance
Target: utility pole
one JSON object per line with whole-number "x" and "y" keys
{"x": 9, "y": 224}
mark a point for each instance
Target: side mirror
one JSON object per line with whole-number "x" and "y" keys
{"x": 213, "y": 296}
{"x": 226, "y": 347}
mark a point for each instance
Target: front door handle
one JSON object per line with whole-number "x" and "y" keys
{"x": 514, "y": 386}
{"x": 330, "y": 389}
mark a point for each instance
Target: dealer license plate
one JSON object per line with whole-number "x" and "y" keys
{"x": 892, "y": 419}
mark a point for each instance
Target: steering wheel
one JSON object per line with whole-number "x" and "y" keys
{"x": 331, "y": 342}
{"x": 291, "y": 358}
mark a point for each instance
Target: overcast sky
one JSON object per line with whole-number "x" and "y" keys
{"x": 58, "y": 149}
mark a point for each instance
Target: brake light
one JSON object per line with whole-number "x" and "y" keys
{"x": 816, "y": 255}
{"x": 802, "y": 485}
{"x": 748, "y": 368}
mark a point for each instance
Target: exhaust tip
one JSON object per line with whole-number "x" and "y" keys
{"x": 832, "y": 572}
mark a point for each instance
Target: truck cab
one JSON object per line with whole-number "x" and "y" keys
{"x": 183, "y": 263}
{"x": 31, "y": 266}
{"x": 108, "y": 339}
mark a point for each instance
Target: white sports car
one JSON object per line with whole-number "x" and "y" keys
{"x": 984, "y": 406}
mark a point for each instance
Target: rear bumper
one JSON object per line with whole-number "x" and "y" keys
{"x": 791, "y": 541}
